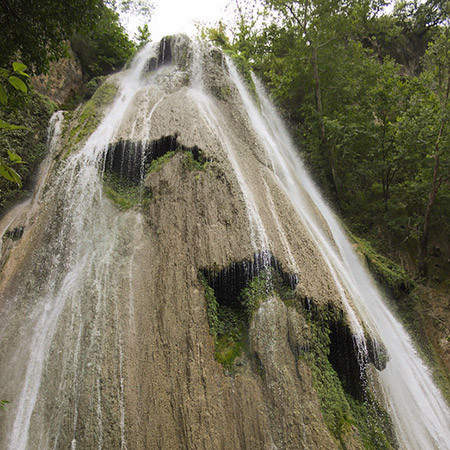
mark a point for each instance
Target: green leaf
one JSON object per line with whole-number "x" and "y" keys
{"x": 3, "y": 95}
{"x": 18, "y": 83}
{"x": 23, "y": 74}
{"x": 15, "y": 158}
{"x": 10, "y": 174}
{"x": 18, "y": 67}
{"x": 8, "y": 126}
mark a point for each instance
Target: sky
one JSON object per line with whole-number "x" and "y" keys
{"x": 180, "y": 16}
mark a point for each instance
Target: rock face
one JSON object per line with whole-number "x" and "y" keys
{"x": 106, "y": 337}
{"x": 63, "y": 80}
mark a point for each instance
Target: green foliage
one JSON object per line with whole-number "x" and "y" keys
{"x": 229, "y": 346}
{"x": 229, "y": 324}
{"x": 3, "y": 403}
{"x": 192, "y": 164}
{"x": 373, "y": 422}
{"x": 105, "y": 48}
{"x": 123, "y": 194}
{"x": 142, "y": 36}
{"x": 38, "y": 31}
{"x": 390, "y": 274}
{"x": 189, "y": 161}
{"x": 365, "y": 94}
{"x": 7, "y": 172}
{"x": 257, "y": 290}
{"x": 33, "y": 112}
{"x": 158, "y": 163}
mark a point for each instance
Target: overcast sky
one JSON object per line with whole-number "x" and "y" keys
{"x": 180, "y": 16}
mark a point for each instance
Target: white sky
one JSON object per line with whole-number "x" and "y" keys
{"x": 180, "y": 16}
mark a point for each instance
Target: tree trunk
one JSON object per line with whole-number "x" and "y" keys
{"x": 323, "y": 138}
{"x": 423, "y": 244}
{"x": 318, "y": 92}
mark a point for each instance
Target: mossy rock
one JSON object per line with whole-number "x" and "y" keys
{"x": 123, "y": 194}
{"x": 91, "y": 114}
{"x": 387, "y": 272}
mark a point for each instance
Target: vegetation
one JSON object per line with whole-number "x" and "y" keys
{"x": 123, "y": 194}
{"x": 11, "y": 78}
{"x": 190, "y": 162}
{"x": 340, "y": 409}
{"x": 366, "y": 94}
{"x": 37, "y": 33}
{"x": 33, "y": 112}
{"x": 92, "y": 113}
{"x": 158, "y": 163}
{"x": 105, "y": 48}
{"x": 3, "y": 403}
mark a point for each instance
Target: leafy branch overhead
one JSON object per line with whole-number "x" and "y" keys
{"x": 11, "y": 79}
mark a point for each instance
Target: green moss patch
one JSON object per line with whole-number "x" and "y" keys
{"x": 125, "y": 195}
{"x": 92, "y": 113}
{"x": 390, "y": 274}
{"x": 158, "y": 163}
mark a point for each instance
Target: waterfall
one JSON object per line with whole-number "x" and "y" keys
{"x": 420, "y": 412}
{"x": 104, "y": 339}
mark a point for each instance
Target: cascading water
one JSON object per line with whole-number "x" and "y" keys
{"x": 420, "y": 412}
{"x": 104, "y": 342}
{"x": 82, "y": 268}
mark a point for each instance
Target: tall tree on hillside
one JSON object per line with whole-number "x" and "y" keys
{"x": 438, "y": 61}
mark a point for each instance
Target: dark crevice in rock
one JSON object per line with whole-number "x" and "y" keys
{"x": 234, "y": 293}
{"x": 229, "y": 281}
{"x": 14, "y": 234}
{"x": 344, "y": 353}
{"x": 131, "y": 160}
{"x": 164, "y": 56}
{"x": 343, "y": 357}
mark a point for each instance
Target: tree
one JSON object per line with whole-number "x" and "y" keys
{"x": 438, "y": 60}
{"x": 142, "y": 36}
{"x": 105, "y": 48}
{"x": 37, "y": 31}
{"x": 12, "y": 78}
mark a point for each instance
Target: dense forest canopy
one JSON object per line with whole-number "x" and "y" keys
{"x": 36, "y": 34}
